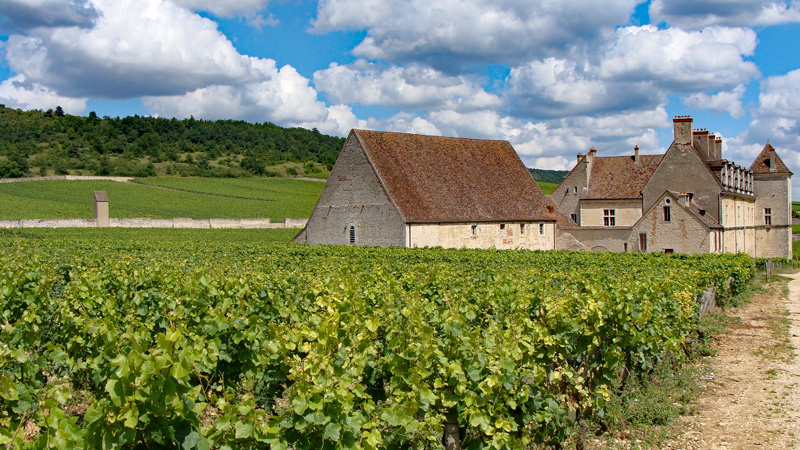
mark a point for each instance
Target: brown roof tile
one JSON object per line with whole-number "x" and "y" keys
{"x": 434, "y": 179}
{"x": 619, "y": 177}
{"x": 760, "y": 165}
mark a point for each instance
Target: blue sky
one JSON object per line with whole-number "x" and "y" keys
{"x": 553, "y": 78}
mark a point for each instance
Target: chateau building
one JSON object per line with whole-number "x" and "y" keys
{"x": 410, "y": 190}
{"x": 688, "y": 200}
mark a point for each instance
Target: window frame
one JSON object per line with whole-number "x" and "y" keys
{"x": 768, "y": 216}
{"x": 609, "y": 217}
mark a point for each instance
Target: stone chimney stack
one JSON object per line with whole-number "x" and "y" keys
{"x": 589, "y": 164}
{"x": 700, "y": 141}
{"x": 636, "y": 154}
{"x": 718, "y": 145}
{"x": 683, "y": 129}
{"x": 712, "y": 148}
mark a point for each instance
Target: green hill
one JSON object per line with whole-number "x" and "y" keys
{"x": 548, "y": 176}
{"x": 34, "y": 143}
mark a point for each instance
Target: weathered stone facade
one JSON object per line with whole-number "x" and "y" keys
{"x": 510, "y": 235}
{"x": 354, "y": 198}
{"x": 714, "y": 204}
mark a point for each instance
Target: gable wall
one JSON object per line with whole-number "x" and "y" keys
{"x": 682, "y": 170}
{"x": 353, "y": 196}
{"x": 684, "y": 233}
{"x": 564, "y": 195}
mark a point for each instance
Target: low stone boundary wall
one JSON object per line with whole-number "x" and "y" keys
{"x": 144, "y": 222}
{"x": 66, "y": 177}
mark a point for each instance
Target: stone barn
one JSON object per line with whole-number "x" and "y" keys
{"x": 411, "y": 190}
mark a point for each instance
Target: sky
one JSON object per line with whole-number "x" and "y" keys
{"x": 555, "y": 78}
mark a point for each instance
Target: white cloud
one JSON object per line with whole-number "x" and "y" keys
{"x": 25, "y": 14}
{"x": 136, "y": 47}
{"x": 681, "y": 61}
{"x": 446, "y": 34}
{"x": 696, "y": 14}
{"x": 414, "y": 87}
{"x": 558, "y": 87}
{"x": 281, "y": 96}
{"x": 258, "y": 21}
{"x": 553, "y": 144}
{"x": 225, "y": 8}
{"x": 17, "y": 92}
{"x": 729, "y": 102}
{"x": 636, "y": 72}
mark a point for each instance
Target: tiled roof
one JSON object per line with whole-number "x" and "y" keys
{"x": 619, "y": 177}
{"x": 760, "y": 165}
{"x": 702, "y": 215}
{"x": 435, "y": 179}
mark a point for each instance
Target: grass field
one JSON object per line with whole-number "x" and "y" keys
{"x": 260, "y": 197}
{"x": 547, "y": 188}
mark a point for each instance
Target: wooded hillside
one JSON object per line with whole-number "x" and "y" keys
{"x": 34, "y": 143}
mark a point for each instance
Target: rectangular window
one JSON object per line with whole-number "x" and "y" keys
{"x": 642, "y": 242}
{"x": 669, "y": 251}
{"x": 667, "y": 214}
{"x": 566, "y": 190}
{"x": 576, "y": 189}
{"x": 767, "y": 216}
{"x": 352, "y": 235}
{"x": 474, "y": 230}
{"x": 522, "y": 228}
{"x": 541, "y": 228}
{"x": 574, "y": 217}
{"x": 609, "y": 217}
{"x": 502, "y": 226}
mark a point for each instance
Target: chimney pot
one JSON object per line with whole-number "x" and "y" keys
{"x": 636, "y": 153}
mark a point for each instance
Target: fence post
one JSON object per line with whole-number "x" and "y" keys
{"x": 451, "y": 439}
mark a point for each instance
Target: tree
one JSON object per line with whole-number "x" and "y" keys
{"x": 59, "y": 112}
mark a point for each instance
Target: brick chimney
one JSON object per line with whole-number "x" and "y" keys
{"x": 636, "y": 154}
{"x": 682, "y": 129}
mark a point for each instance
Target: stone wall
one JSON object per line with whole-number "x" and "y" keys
{"x": 353, "y": 198}
{"x": 598, "y": 239}
{"x": 145, "y": 222}
{"x": 508, "y": 235}
{"x": 626, "y": 212}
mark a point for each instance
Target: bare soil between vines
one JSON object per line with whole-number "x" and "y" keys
{"x": 751, "y": 397}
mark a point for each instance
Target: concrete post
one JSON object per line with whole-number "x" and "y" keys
{"x": 101, "y": 209}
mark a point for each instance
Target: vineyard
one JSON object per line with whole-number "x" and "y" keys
{"x": 214, "y": 345}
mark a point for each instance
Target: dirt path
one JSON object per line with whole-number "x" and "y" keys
{"x": 752, "y": 397}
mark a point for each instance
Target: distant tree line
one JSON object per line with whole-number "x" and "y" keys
{"x": 49, "y": 142}
{"x": 548, "y": 176}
